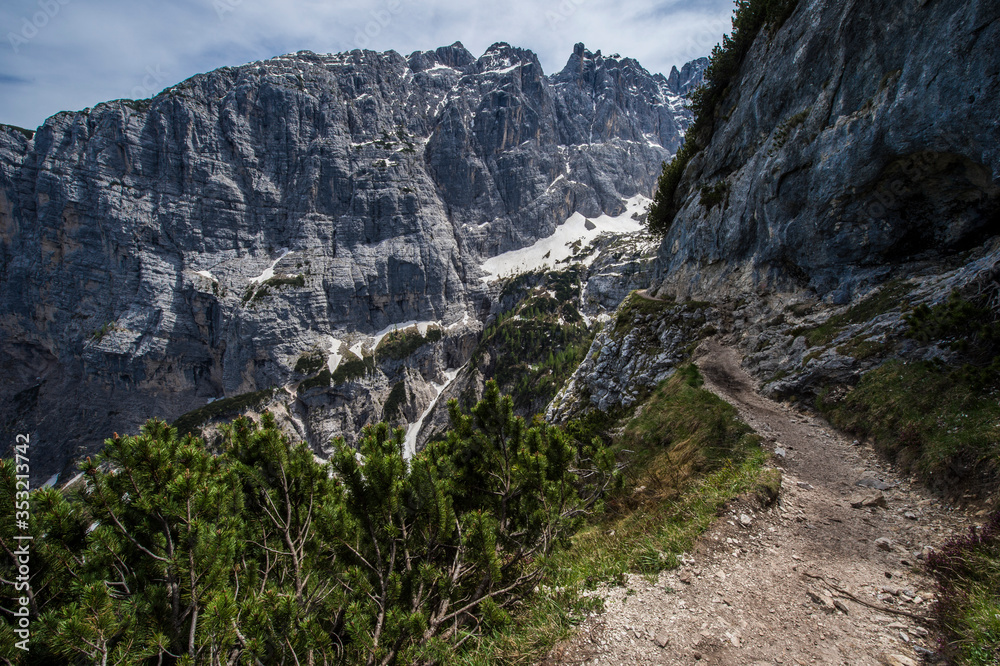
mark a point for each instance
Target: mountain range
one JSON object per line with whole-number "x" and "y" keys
{"x": 247, "y": 227}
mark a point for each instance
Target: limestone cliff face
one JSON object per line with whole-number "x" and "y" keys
{"x": 158, "y": 254}
{"x": 863, "y": 134}
{"x": 859, "y": 142}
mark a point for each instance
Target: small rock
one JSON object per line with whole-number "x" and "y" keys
{"x": 883, "y": 543}
{"x": 841, "y": 606}
{"x": 697, "y": 656}
{"x": 874, "y": 483}
{"x": 803, "y": 485}
{"x": 925, "y": 552}
{"x": 662, "y": 638}
{"x": 780, "y": 452}
{"x": 745, "y": 520}
{"x": 871, "y": 501}
{"x": 685, "y": 577}
{"x": 823, "y": 599}
{"x": 877, "y": 500}
{"x": 909, "y": 515}
{"x": 897, "y": 660}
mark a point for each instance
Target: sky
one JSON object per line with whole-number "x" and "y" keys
{"x": 66, "y": 55}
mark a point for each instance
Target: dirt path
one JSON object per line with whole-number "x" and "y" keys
{"x": 793, "y": 584}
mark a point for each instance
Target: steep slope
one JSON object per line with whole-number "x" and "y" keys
{"x": 853, "y": 148}
{"x": 249, "y": 226}
{"x": 858, "y": 136}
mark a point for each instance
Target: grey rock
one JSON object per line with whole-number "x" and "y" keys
{"x": 876, "y": 484}
{"x": 877, "y": 143}
{"x": 884, "y": 543}
{"x": 371, "y": 185}
{"x": 630, "y": 357}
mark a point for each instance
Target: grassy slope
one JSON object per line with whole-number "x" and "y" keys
{"x": 688, "y": 455}
{"x": 941, "y": 421}
{"x": 968, "y": 610}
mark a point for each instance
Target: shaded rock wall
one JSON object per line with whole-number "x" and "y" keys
{"x": 861, "y": 135}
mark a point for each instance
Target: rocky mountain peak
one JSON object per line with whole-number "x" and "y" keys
{"x": 455, "y": 56}
{"x": 689, "y": 77}
{"x": 502, "y": 57}
{"x": 249, "y": 226}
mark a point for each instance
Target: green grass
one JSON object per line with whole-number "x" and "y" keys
{"x": 348, "y": 370}
{"x": 399, "y": 345}
{"x": 192, "y": 421}
{"x": 257, "y": 293}
{"x": 862, "y": 349}
{"x": 310, "y": 362}
{"x": 635, "y": 306}
{"x": 534, "y": 348}
{"x": 99, "y": 334}
{"x": 689, "y": 455}
{"x": 891, "y": 296}
{"x": 968, "y": 611}
{"x": 934, "y": 419}
{"x": 785, "y": 130}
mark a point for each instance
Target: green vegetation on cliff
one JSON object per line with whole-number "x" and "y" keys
{"x": 749, "y": 19}
{"x": 939, "y": 418}
{"x": 532, "y": 348}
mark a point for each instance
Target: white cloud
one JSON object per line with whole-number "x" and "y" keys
{"x": 87, "y": 51}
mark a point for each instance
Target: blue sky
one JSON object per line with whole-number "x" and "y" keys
{"x": 70, "y": 54}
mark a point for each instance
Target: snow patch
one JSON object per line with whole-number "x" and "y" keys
{"x": 206, "y": 274}
{"x": 546, "y": 252}
{"x": 334, "y": 359}
{"x": 464, "y": 322}
{"x": 438, "y": 67}
{"x": 269, "y": 271}
{"x": 410, "y": 444}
